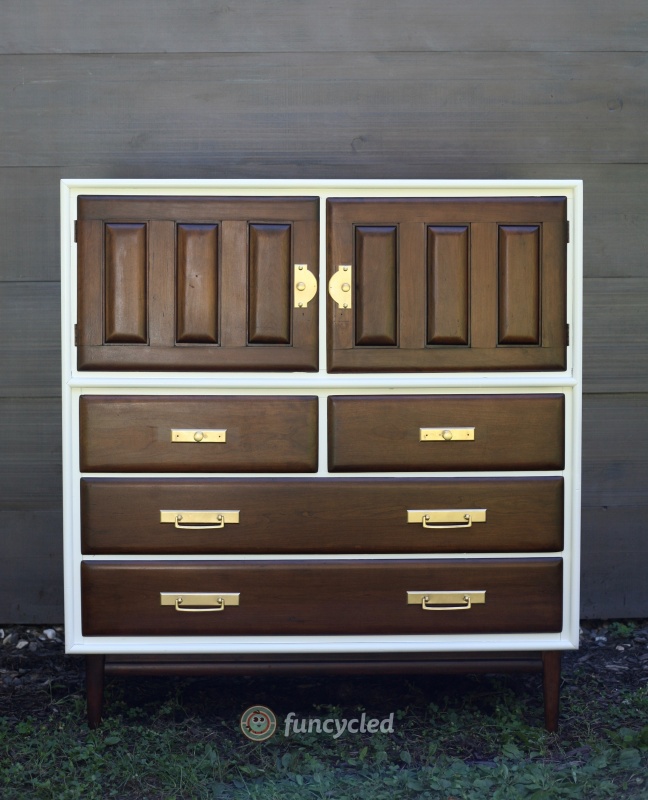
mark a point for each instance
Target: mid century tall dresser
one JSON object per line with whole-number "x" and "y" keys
{"x": 326, "y": 425}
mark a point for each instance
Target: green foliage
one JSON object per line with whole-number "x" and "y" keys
{"x": 453, "y": 739}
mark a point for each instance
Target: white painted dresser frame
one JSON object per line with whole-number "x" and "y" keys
{"x": 351, "y": 653}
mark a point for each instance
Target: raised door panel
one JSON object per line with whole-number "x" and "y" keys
{"x": 322, "y": 597}
{"x": 448, "y": 284}
{"x": 187, "y": 283}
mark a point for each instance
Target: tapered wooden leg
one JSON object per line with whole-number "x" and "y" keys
{"x": 94, "y": 688}
{"x": 551, "y": 685}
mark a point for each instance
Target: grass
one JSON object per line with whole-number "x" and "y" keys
{"x": 468, "y": 738}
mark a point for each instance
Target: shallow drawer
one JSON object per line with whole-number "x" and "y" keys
{"x": 321, "y": 597}
{"x": 198, "y": 434}
{"x": 446, "y": 432}
{"x": 307, "y": 515}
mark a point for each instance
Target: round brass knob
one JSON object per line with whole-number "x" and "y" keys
{"x": 447, "y": 435}
{"x": 346, "y": 287}
{"x": 301, "y": 286}
{"x": 199, "y": 436}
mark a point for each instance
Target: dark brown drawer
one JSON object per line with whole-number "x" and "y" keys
{"x": 323, "y": 597}
{"x": 337, "y": 515}
{"x": 136, "y": 434}
{"x": 384, "y": 433}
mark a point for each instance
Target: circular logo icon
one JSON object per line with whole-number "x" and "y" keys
{"x": 258, "y": 723}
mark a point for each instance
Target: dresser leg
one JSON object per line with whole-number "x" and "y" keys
{"x": 551, "y": 685}
{"x": 94, "y": 688}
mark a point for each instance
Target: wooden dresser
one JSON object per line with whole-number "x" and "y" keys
{"x": 318, "y": 426}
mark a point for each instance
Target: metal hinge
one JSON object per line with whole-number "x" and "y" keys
{"x": 567, "y": 326}
{"x": 567, "y": 231}
{"x": 76, "y": 335}
{"x": 76, "y": 229}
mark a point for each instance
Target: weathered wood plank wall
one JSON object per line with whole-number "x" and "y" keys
{"x": 347, "y": 88}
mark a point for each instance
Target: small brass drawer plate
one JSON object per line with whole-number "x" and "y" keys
{"x": 305, "y": 285}
{"x": 201, "y": 601}
{"x": 340, "y": 286}
{"x": 447, "y": 434}
{"x": 199, "y": 520}
{"x": 203, "y": 437}
{"x": 446, "y": 601}
{"x": 446, "y": 517}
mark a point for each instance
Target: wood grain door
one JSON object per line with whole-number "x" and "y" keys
{"x": 447, "y": 284}
{"x": 196, "y": 283}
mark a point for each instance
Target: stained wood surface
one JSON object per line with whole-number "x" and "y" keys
{"x": 159, "y": 26}
{"x": 324, "y": 597}
{"x": 352, "y": 89}
{"x": 382, "y": 433}
{"x": 494, "y": 109}
{"x": 348, "y": 515}
{"x": 133, "y": 434}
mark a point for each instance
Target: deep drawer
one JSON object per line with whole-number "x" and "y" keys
{"x": 433, "y": 432}
{"x": 323, "y": 597}
{"x": 177, "y": 434}
{"x": 341, "y": 515}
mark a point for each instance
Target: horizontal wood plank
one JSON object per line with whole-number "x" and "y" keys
{"x": 615, "y": 553}
{"x": 151, "y": 26}
{"x": 30, "y": 454}
{"x": 30, "y": 356}
{"x": 615, "y": 335}
{"x": 615, "y": 449}
{"x": 500, "y": 108}
{"x": 31, "y": 585}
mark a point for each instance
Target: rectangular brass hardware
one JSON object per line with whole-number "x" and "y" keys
{"x": 199, "y": 601}
{"x": 202, "y": 436}
{"x": 340, "y": 286}
{"x": 199, "y": 520}
{"x": 305, "y": 285}
{"x": 446, "y": 601}
{"x": 446, "y": 517}
{"x": 447, "y": 434}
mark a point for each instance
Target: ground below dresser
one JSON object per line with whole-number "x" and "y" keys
{"x": 317, "y": 426}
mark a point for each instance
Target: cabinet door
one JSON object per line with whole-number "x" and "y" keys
{"x": 447, "y": 284}
{"x": 196, "y": 283}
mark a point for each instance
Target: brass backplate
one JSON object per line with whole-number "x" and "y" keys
{"x": 197, "y": 436}
{"x": 446, "y": 598}
{"x": 305, "y": 285}
{"x": 340, "y": 286}
{"x": 446, "y": 516}
{"x": 199, "y": 599}
{"x": 200, "y": 517}
{"x": 446, "y": 434}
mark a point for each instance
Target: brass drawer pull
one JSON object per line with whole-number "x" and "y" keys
{"x": 446, "y": 434}
{"x": 201, "y": 601}
{"x": 203, "y": 436}
{"x": 199, "y": 520}
{"x": 340, "y": 286}
{"x": 305, "y": 285}
{"x": 440, "y": 518}
{"x": 445, "y": 601}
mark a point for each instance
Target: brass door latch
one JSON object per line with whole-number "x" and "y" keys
{"x": 340, "y": 286}
{"x": 305, "y": 285}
